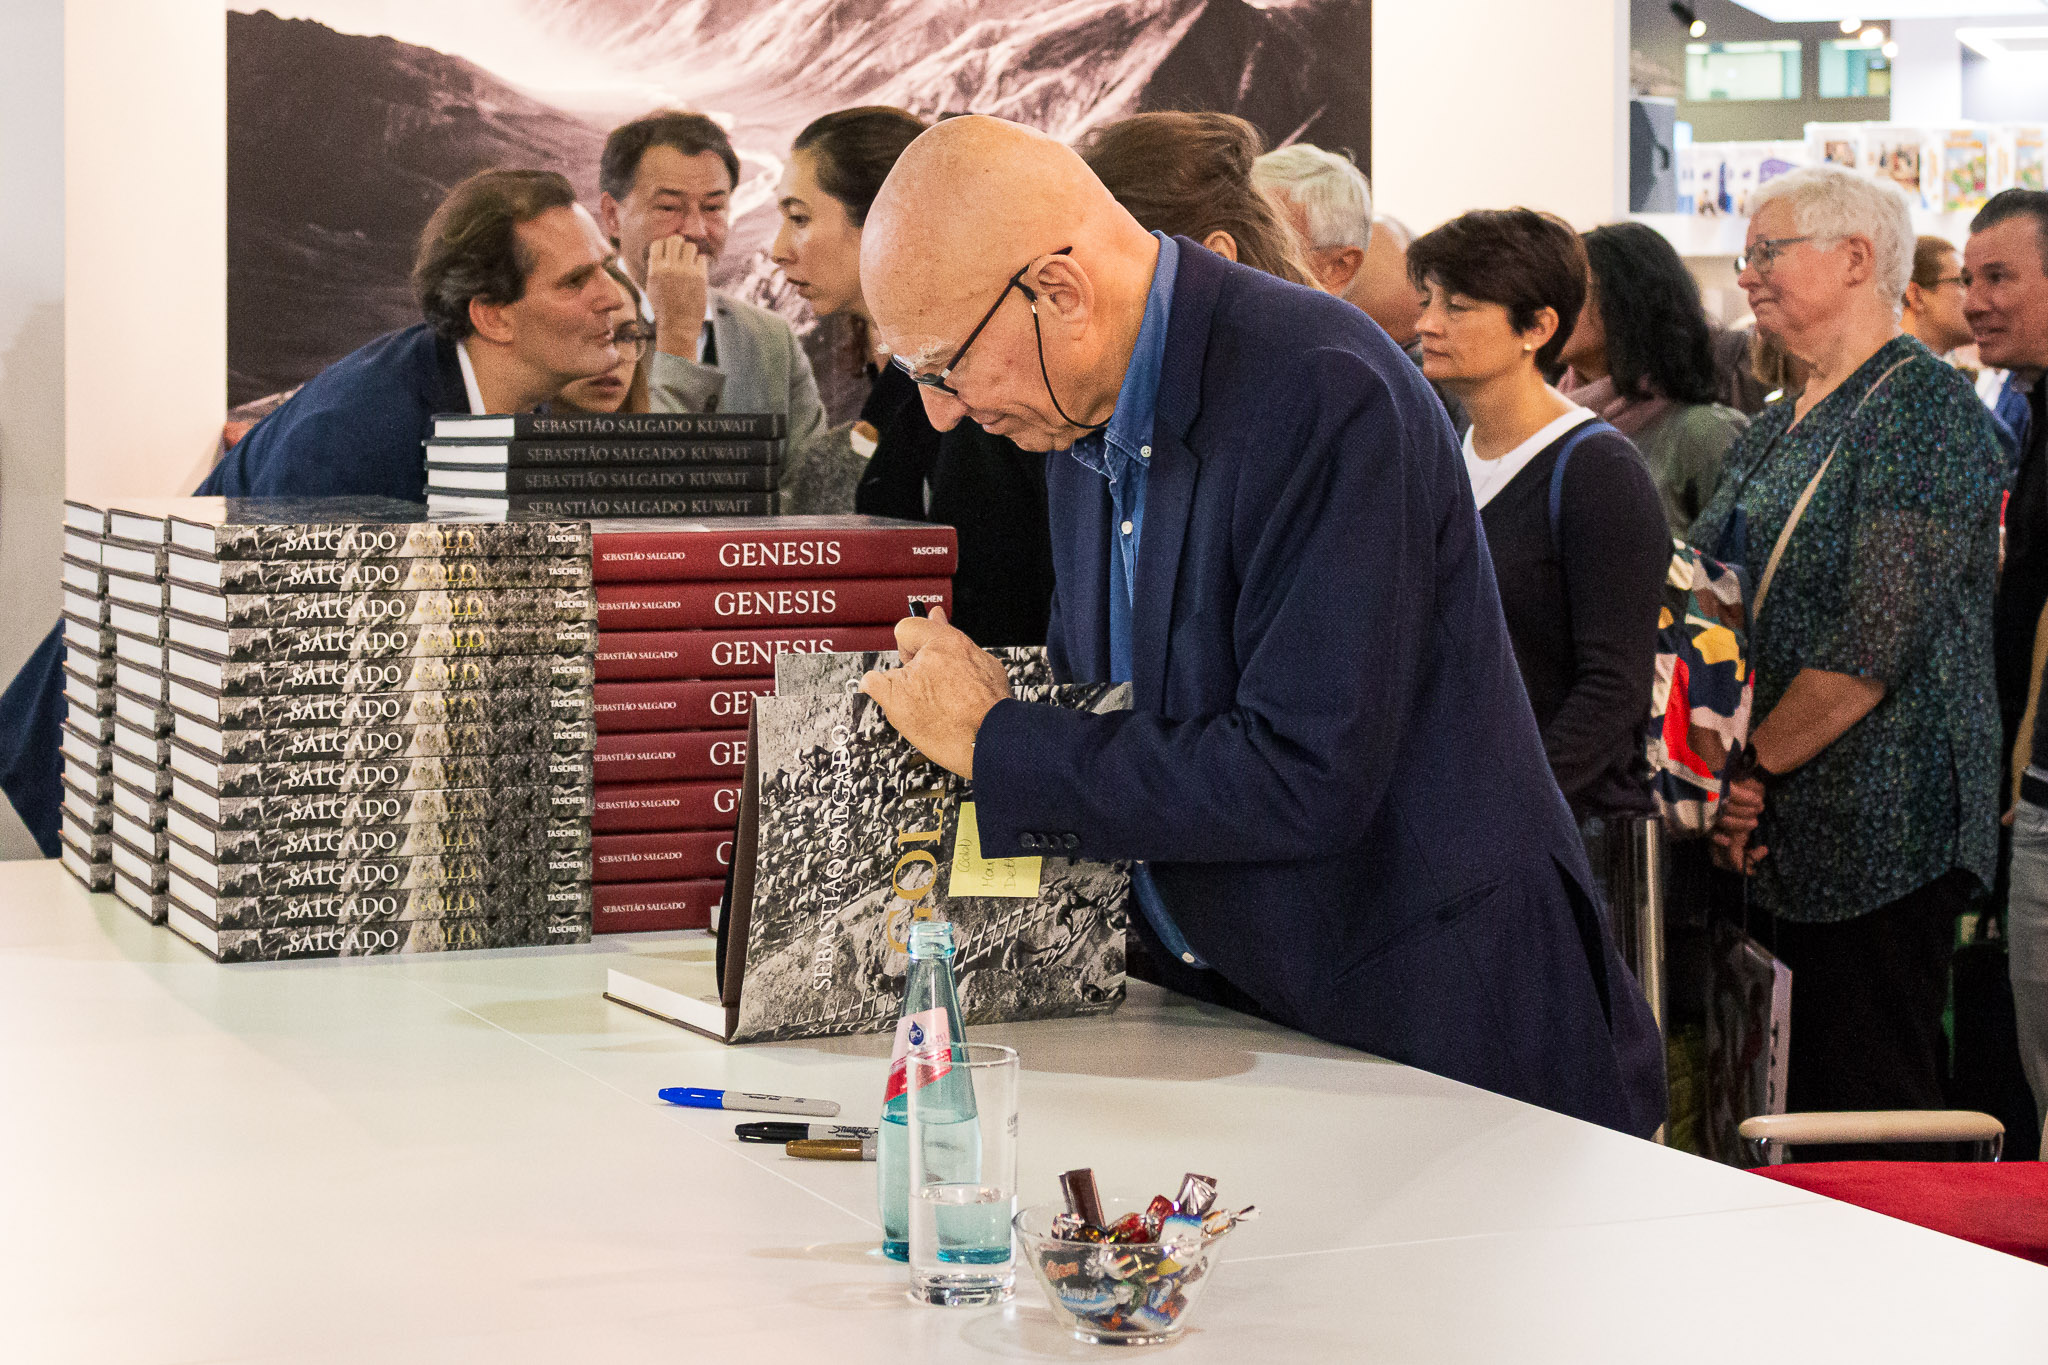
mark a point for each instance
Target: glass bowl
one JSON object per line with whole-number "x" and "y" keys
{"x": 1130, "y": 1294}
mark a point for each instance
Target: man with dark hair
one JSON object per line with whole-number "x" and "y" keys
{"x": 667, "y": 182}
{"x": 2005, "y": 276}
{"x": 511, "y": 281}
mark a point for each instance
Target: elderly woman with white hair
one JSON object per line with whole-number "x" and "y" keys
{"x": 1866, "y": 510}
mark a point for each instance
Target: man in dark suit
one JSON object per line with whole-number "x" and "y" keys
{"x": 1331, "y": 783}
{"x": 511, "y": 279}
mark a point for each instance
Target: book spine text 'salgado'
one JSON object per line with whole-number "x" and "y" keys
{"x": 739, "y": 553}
{"x": 637, "y": 478}
{"x": 484, "y": 706}
{"x": 278, "y": 643}
{"x": 414, "y": 608}
{"x": 634, "y": 806}
{"x": 405, "y": 936}
{"x": 369, "y": 540}
{"x": 686, "y": 606}
{"x": 399, "y": 742}
{"x": 586, "y": 454}
{"x": 389, "y": 775}
{"x": 626, "y": 656}
{"x": 628, "y": 907}
{"x": 674, "y": 855}
{"x": 456, "y": 805}
{"x": 396, "y": 874}
{"x": 378, "y": 907}
{"x": 433, "y": 838}
{"x": 585, "y": 506}
{"x": 429, "y": 673}
{"x": 399, "y": 575}
{"x": 671, "y": 756}
{"x": 674, "y": 426}
{"x": 695, "y": 705}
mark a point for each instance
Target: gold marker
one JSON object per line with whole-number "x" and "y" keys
{"x": 832, "y": 1149}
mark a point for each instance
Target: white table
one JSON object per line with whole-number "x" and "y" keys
{"x": 460, "y": 1158}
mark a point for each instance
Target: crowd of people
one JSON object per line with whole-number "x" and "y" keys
{"x": 1892, "y": 523}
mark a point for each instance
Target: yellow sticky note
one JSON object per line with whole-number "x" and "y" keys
{"x": 974, "y": 875}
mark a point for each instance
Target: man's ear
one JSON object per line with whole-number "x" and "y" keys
{"x": 1916, "y": 298}
{"x": 1066, "y": 296}
{"x": 1338, "y": 266}
{"x": 491, "y": 321}
{"x": 1222, "y": 243}
{"x": 608, "y": 217}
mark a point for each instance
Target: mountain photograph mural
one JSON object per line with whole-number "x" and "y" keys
{"x": 348, "y": 120}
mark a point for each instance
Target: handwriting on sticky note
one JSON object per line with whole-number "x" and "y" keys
{"x": 974, "y": 875}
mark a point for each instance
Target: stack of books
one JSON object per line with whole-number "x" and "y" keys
{"x": 87, "y": 744}
{"x": 380, "y": 739}
{"x": 589, "y": 465}
{"x": 692, "y": 616}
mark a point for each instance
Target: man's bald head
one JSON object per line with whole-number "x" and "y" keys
{"x": 969, "y": 204}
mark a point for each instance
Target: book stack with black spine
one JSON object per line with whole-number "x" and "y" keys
{"x": 381, "y": 740}
{"x": 87, "y": 744}
{"x": 138, "y": 530}
{"x": 691, "y": 618}
{"x": 590, "y": 465}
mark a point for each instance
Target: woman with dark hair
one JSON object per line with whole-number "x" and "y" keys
{"x": 1642, "y": 358}
{"x": 989, "y": 491}
{"x": 1577, "y": 534}
{"x": 1190, "y": 175}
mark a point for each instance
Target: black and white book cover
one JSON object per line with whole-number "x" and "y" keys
{"x": 599, "y": 453}
{"x": 611, "y": 426}
{"x": 553, "y": 805}
{"x": 428, "y": 607}
{"x": 587, "y": 506}
{"x": 282, "y": 644}
{"x": 637, "y": 478}
{"x": 406, "y": 673}
{"x": 435, "y": 838}
{"x": 377, "y": 742}
{"x": 289, "y": 710}
{"x": 554, "y": 899}
{"x": 376, "y": 940}
{"x": 380, "y": 775}
{"x": 854, "y": 835}
{"x": 418, "y": 574}
{"x": 359, "y": 528}
{"x": 284, "y": 877}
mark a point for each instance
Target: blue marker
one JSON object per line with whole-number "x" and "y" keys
{"x": 692, "y": 1098}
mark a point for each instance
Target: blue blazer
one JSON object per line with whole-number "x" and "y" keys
{"x": 1331, "y": 764}
{"x": 355, "y": 428}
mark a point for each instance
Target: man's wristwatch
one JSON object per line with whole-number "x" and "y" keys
{"x": 1744, "y": 765}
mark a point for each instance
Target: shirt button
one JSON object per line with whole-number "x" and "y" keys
{"x": 1188, "y": 958}
{"x": 1127, "y": 528}
{"x": 1145, "y": 452}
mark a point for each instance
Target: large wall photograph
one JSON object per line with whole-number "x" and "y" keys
{"x": 348, "y": 120}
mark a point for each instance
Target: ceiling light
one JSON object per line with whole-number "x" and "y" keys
{"x": 1851, "y": 25}
{"x": 1871, "y": 37}
{"x": 1698, "y": 28}
{"x": 1891, "y": 51}
{"x": 2006, "y": 44}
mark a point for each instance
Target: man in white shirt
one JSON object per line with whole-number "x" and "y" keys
{"x": 668, "y": 181}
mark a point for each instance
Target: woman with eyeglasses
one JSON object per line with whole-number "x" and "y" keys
{"x": 1865, "y": 509}
{"x": 1934, "y": 297}
{"x": 622, "y": 388}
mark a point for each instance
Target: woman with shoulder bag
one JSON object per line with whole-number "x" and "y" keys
{"x": 1865, "y": 510}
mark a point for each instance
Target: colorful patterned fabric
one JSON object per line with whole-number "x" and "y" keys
{"x": 1888, "y": 576}
{"x": 1699, "y": 703}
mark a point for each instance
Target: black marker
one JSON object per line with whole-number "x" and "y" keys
{"x": 920, "y": 609}
{"x": 800, "y": 1132}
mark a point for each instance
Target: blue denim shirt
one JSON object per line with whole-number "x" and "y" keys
{"x": 1122, "y": 453}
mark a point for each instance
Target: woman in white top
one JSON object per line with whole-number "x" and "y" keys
{"x": 1580, "y": 567}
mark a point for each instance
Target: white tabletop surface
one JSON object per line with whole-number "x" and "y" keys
{"x": 461, "y": 1158}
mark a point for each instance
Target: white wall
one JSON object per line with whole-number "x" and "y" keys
{"x": 145, "y": 201}
{"x": 1491, "y": 104}
{"x": 31, "y": 341}
{"x": 1927, "y": 75}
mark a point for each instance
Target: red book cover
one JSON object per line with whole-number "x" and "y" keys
{"x": 680, "y": 705}
{"x": 671, "y": 755}
{"x": 624, "y": 807}
{"x": 678, "y": 855}
{"x": 636, "y": 907}
{"x": 771, "y": 548}
{"x": 633, "y": 655}
{"x": 822, "y": 601}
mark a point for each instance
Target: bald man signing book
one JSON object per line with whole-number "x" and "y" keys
{"x": 1331, "y": 784}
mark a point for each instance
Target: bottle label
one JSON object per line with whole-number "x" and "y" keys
{"x": 923, "y": 1030}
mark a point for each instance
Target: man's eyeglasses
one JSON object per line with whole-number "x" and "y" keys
{"x": 936, "y": 379}
{"x": 1765, "y": 253}
{"x": 634, "y": 334}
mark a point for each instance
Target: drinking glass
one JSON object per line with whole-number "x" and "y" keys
{"x": 962, "y": 1136}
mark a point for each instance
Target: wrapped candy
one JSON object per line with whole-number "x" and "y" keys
{"x": 1197, "y": 1194}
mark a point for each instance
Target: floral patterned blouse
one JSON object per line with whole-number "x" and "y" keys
{"x": 1889, "y": 575}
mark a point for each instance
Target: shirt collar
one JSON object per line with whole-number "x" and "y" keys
{"x": 1129, "y": 433}
{"x": 469, "y": 384}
